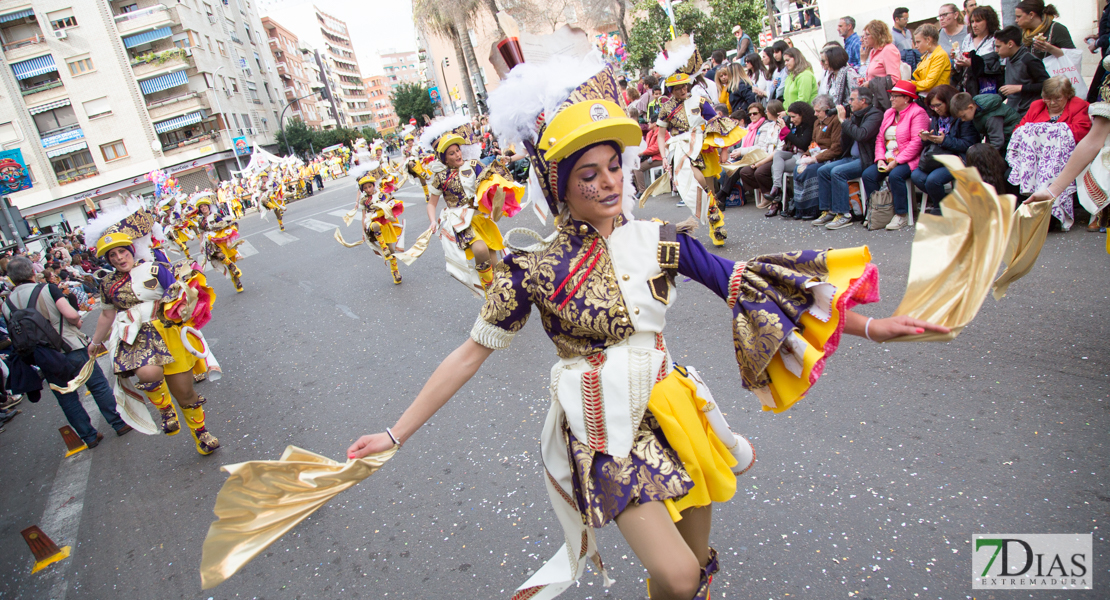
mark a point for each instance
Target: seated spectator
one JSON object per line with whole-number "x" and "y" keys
{"x": 935, "y": 67}
{"x": 884, "y": 56}
{"x": 858, "y": 130}
{"x": 736, "y": 90}
{"x": 993, "y": 119}
{"x": 1059, "y": 104}
{"x": 1042, "y": 145}
{"x": 797, "y": 133}
{"x": 991, "y": 166}
{"x": 778, "y": 68}
{"x": 1025, "y": 73}
{"x": 1040, "y": 32}
{"x": 897, "y": 149}
{"x": 946, "y": 135}
{"x": 801, "y": 83}
{"x": 757, "y": 176}
{"x": 978, "y": 68}
{"x": 842, "y": 76}
{"x": 763, "y": 135}
{"x": 826, "y": 135}
{"x": 756, "y": 66}
{"x": 650, "y": 158}
{"x": 650, "y": 84}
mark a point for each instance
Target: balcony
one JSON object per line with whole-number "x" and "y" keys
{"x": 62, "y": 135}
{"x": 283, "y": 72}
{"x": 19, "y": 49}
{"x": 74, "y": 175}
{"x": 204, "y": 143}
{"x": 152, "y": 64}
{"x": 145, "y": 19}
{"x": 41, "y": 93}
{"x": 164, "y": 108}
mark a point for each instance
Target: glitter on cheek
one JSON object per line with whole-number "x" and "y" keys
{"x": 588, "y": 191}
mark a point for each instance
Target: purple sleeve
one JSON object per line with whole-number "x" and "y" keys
{"x": 708, "y": 269}
{"x": 707, "y": 112}
{"x": 165, "y": 277}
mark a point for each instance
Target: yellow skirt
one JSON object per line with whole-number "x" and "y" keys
{"x": 677, "y": 407}
{"x": 711, "y": 148}
{"x": 391, "y": 232}
{"x": 183, "y": 360}
{"x": 486, "y": 230}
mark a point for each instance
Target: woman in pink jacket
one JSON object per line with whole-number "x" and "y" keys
{"x": 884, "y": 58}
{"x": 898, "y": 149}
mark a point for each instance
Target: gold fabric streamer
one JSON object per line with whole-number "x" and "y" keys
{"x": 955, "y": 257}
{"x": 1026, "y": 240}
{"x": 748, "y": 159}
{"x": 82, "y": 376}
{"x": 339, "y": 238}
{"x": 416, "y": 249}
{"x": 263, "y": 499}
{"x": 661, "y": 185}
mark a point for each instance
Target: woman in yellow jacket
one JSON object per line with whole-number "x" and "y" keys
{"x": 935, "y": 67}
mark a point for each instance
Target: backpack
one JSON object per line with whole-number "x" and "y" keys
{"x": 880, "y": 208}
{"x": 28, "y": 328}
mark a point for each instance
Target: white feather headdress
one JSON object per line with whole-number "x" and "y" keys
{"x": 673, "y": 60}
{"x": 112, "y": 212}
{"x": 439, "y": 127}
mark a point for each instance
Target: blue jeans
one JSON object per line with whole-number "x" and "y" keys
{"x": 932, "y": 183}
{"x": 833, "y": 178}
{"x": 873, "y": 178}
{"x": 101, "y": 392}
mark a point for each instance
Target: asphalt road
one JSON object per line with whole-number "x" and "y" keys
{"x": 869, "y": 488}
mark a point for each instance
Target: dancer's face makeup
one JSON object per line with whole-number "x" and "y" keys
{"x": 594, "y": 190}
{"x": 121, "y": 259}
{"x": 454, "y": 156}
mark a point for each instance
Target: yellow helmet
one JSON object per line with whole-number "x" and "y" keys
{"x": 111, "y": 240}
{"x": 586, "y": 123}
{"x": 409, "y": 137}
{"x": 205, "y": 200}
{"x": 368, "y": 178}
{"x": 679, "y": 78}
{"x": 448, "y": 140}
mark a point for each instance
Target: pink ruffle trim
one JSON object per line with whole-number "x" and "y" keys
{"x": 863, "y": 290}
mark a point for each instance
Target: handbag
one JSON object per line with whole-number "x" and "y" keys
{"x": 880, "y": 208}
{"x": 928, "y": 163}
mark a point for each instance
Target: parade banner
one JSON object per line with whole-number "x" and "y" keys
{"x": 242, "y": 146}
{"x": 14, "y": 175}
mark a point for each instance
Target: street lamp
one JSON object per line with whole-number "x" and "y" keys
{"x": 219, "y": 107}
{"x": 281, "y": 121}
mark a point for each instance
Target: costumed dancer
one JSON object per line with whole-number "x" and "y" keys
{"x": 629, "y": 437}
{"x": 181, "y": 228}
{"x": 221, "y": 240}
{"x": 696, "y": 134}
{"x": 475, "y": 198}
{"x": 271, "y": 197}
{"x": 381, "y": 220}
{"x": 150, "y": 325}
{"x": 415, "y": 160}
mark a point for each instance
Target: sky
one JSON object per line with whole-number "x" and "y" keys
{"x": 376, "y": 26}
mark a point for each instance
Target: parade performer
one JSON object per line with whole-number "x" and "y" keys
{"x": 696, "y": 134}
{"x": 180, "y": 225}
{"x": 270, "y": 197}
{"x": 415, "y": 161}
{"x": 150, "y": 325}
{"x": 475, "y": 198}
{"x": 221, "y": 240}
{"x": 629, "y": 437}
{"x": 381, "y": 221}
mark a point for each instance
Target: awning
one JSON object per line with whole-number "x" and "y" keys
{"x": 49, "y": 106}
{"x": 34, "y": 67}
{"x": 70, "y": 149}
{"x": 146, "y": 37}
{"x": 164, "y": 82}
{"x": 19, "y": 14}
{"x": 179, "y": 122}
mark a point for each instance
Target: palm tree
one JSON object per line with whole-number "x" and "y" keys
{"x": 450, "y": 20}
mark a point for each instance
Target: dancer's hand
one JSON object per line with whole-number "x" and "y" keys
{"x": 369, "y": 444}
{"x": 882, "y": 330}
{"x": 96, "y": 349}
{"x": 1040, "y": 196}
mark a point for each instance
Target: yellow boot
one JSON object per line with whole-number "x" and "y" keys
{"x": 485, "y": 274}
{"x": 159, "y": 396}
{"x": 717, "y": 231}
{"x": 395, "y": 270}
{"x": 194, "y": 418}
{"x": 236, "y": 275}
{"x": 427, "y": 197}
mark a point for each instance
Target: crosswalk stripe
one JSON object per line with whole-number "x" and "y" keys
{"x": 318, "y": 226}
{"x": 280, "y": 237}
{"x": 246, "y": 249}
{"x": 338, "y": 213}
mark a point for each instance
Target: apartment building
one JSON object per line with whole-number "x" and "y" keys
{"x": 329, "y": 37}
{"x": 402, "y": 67}
{"x": 379, "y": 93}
{"x": 95, "y": 95}
{"x": 299, "y": 82}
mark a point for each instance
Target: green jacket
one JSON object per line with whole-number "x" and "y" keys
{"x": 802, "y": 88}
{"x": 995, "y": 120}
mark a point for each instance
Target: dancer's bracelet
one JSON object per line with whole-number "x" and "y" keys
{"x": 866, "y": 334}
{"x": 396, "y": 442}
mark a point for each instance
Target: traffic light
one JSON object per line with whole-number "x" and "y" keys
{"x": 447, "y": 61}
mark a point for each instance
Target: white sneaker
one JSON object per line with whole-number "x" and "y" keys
{"x": 898, "y": 222}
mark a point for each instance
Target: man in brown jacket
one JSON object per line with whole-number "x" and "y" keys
{"x": 826, "y": 147}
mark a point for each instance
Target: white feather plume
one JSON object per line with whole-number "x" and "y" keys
{"x": 532, "y": 88}
{"x": 675, "y": 60}
{"x": 112, "y": 211}
{"x": 630, "y": 162}
{"x": 439, "y": 127}
{"x": 364, "y": 166}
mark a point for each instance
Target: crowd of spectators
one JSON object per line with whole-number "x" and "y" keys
{"x": 885, "y": 101}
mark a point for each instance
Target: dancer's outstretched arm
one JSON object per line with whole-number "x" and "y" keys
{"x": 448, "y": 378}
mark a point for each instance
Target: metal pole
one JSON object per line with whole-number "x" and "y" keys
{"x": 219, "y": 107}
{"x": 12, "y": 226}
{"x": 281, "y": 122}
{"x": 446, "y": 86}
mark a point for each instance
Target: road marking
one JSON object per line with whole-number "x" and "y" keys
{"x": 318, "y": 226}
{"x": 339, "y": 213}
{"x": 62, "y": 518}
{"x": 246, "y": 249}
{"x": 347, "y": 311}
{"x": 280, "y": 237}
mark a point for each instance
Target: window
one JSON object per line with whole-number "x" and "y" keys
{"x": 208, "y": 9}
{"x": 62, "y": 19}
{"x": 128, "y": 8}
{"x": 97, "y": 108}
{"x": 80, "y": 66}
{"x": 247, "y": 120}
{"x": 113, "y": 151}
{"x": 234, "y": 85}
{"x": 208, "y": 42}
{"x": 223, "y": 82}
{"x": 208, "y": 83}
{"x": 248, "y": 28}
{"x": 54, "y": 121}
{"x": 73, "y": 167}
{"x": 236, "y": 117}
{"x": 223, "y": 48}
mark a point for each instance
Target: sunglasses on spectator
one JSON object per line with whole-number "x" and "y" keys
{"x": 754, "y": 113}
{"x": 945, "y": 14}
